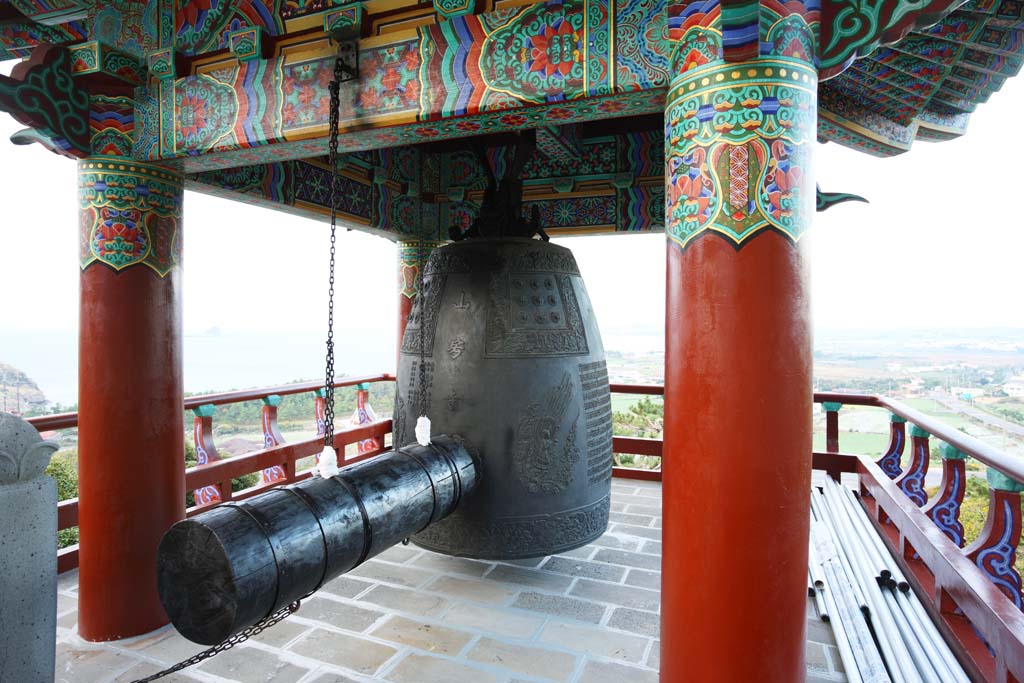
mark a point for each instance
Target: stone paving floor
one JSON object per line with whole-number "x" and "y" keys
{"x": 412, "y": 616}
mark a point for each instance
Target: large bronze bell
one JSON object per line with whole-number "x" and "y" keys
{"x": 502, "y": 348}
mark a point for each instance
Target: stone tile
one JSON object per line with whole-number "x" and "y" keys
{"x": 657, "y": 523}
{"x": 624, "y": 489}
{"x": 652, "y": 510}
{"x": 583, "y": 553}
{"x": 69, "y": 620}
{"x": 436, "y": 562}
{"x": 634, "y": 621}
{"x": 590, "y": 570}
{"x": 430, "y": 637}
{"x": 817, "y": 660}
{"x": 634, "y": 499}
{"x": 533, "y": 578}
{"x": 406, "y": 600}
{"x": 332, "y": 678}
{"x": 403, "y": 575}
{"x": 252, "y": 665}
{"x": 654, "y": 658}
{"x": 399, "y": 554}
{"x": 649, "y": 492}
{"x": 651, "y": 547}
{"x": 169, "y": 648}
{"x": 609, "y": 672}
{"x": 422, "y": 669}
{"x": 499, "y": 620}
{"x": 644, "y": 579}
{"x": 468, "y": 589}
{"x": 528, "y": 562}
{"x": 68, "y": 581}
{"x": 819, "y": 631}
{"x": 559, "y": 606}
{"x": 628, "y": 559}
{"x": 338, "y": 614}
{"x": 626, "y": 596}
{"x": 633, "y": 530}
{"x": 344, "y": 650}
{"x": 595, "y": 641}
{"x": 144, "y": 669}
{"x": 635, "y": 520}
{"x": 618, "y": 541}
{"x": 66, "y": 603}
{"x": 345, "y": 587}
{"x": 617, "y": 507}
{"x": 532, "y": 661}
{"x": 835, "y": 658}
{"x": 281, "y": 634}
{"x": 77, "y": 664}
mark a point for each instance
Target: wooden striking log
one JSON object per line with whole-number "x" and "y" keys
{"x": 226, "y": 569}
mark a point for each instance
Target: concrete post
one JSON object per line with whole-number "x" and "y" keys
{"x": 28, "y": 554}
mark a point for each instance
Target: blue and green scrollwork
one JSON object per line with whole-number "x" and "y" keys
{"x": 738, "y": 143}
{"x": 129, "y": 214}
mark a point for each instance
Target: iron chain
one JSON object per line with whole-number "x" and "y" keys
{"x": 236, "y": 639}
{"x": 335, "y": 90}
{"x": 283, "y": 613}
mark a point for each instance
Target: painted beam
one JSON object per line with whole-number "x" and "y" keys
{"x": 614, "y": 185}
{"x": 468, "y": 75}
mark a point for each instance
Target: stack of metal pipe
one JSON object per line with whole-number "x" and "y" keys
{"x": 882, "y": 631}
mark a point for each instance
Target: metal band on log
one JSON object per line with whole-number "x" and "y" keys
{"x": 225, "y": 569}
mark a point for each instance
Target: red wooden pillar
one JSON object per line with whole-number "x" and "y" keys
{"x": 130, "y": 439}
{"x": 412, "y": 258}
{"x": 738, "y": 393}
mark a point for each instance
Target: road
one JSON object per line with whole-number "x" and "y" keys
{"x": 980, "y": 415}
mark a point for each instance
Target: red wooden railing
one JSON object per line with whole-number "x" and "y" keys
{"x": 973, "y": 594}
{"x": 220, "y": 473}
{"x": 630, "y": 445}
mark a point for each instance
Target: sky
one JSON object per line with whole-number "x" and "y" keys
{"x": 939, "y": 246}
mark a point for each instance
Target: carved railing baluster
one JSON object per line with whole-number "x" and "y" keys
{"x": 944, "y": 508}
{"x": 911, "y": 482}
{"x": 995, "y": 551}
{"x": 272, "y": 437}
{"x": 890, "y": 463}
{"x": 320, "y": 412}
{"x": 831, "y": 409}
{"x": 206, "y": 451}
{"x": 365, "y": 415}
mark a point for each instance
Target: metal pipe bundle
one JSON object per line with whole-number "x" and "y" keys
{"x": 891, "y": 637}
{"x": 226, "y": 569}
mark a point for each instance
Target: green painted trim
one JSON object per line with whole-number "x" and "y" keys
{"x": 1000, "y": 482}
{"x": 831, "y": 406}
{"x": 205, "y": 410}
{"x": 949, "y": 452}
{"x": 917, "y": 431}
{"x": 363, "y": 386}
{"x": 272, "y": 400}
{"x": 320, "y": 393}
{"x": 893, "y": 417}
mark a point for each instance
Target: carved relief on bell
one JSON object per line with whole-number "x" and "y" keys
{"x": 503, "y": 348}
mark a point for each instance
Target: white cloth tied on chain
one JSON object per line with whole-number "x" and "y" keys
{"x": 328, "y": 465}
{"x": 423, "y": 430}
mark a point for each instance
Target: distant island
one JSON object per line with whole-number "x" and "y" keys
{"x": 18, "y": 393}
